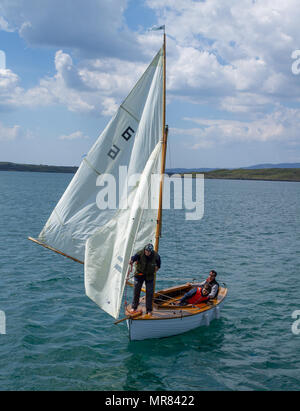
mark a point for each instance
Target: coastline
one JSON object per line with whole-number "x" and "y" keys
{"x": 263, "y": 174}
{"x": 40, "y": 168}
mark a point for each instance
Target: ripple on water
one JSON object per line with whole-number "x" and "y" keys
{"x": 57, "y": 339}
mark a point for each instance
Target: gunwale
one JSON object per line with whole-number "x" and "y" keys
{"x": 168, "y": 312}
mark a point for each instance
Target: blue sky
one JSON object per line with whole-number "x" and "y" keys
{"x": 233, "y": 77}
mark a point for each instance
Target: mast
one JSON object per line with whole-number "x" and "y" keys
{"x": 163, "y": 159}
{"x": 164, "y": 151}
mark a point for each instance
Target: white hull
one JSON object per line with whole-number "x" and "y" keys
{"x": 166, "y": 327}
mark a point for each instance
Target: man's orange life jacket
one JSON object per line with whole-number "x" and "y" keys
{"x": 198, "y": 297}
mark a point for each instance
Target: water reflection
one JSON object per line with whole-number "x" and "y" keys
{"x": 161, "y": 361}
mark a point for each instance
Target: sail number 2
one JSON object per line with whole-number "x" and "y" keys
{"x": 114, "y": 151}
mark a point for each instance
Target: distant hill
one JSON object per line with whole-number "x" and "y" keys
{"x": 280, "y": 165}
{"x": 273, "y": 172}
{"x": 188, "y": 170}
{"x": 269, "y": 174}
{"x": 257, "y": 166}
{"x": 6, "y": 166}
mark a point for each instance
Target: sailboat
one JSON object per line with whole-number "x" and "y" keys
{"x": 103, "y": 235}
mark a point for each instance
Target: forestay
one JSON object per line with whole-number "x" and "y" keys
{"x": 104, "y": 239}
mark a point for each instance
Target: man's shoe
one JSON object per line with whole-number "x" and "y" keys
{"x": 132, "y": 311}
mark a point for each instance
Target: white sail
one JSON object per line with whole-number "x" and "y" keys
{"x": 108, "y": 251}
{"x": 128, "y": 140}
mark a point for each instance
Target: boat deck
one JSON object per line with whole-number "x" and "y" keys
{"x": 164, "y": 304}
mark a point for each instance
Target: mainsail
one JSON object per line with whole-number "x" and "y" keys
{"x": 104, "y": 239}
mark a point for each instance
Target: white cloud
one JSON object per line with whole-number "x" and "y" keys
{"x": 12, "y": 95}
{"x": 4, "y": 24}
{"x": 9, "y": 88}
{"x": 67, "y": 87}
{"x": 8, "y": 80}
{"x": 92, "y": 86}
{"x": 92, "y": 27}
{"x": 77, "y": 135}
{"x": 109, "y": 106}
{"x": 216, "y": 50}
{"x": 235, "y": 56}
{"x": 9, "y": 133}
{"x": 228, "y": 49}
{"x": 280, "y": 125}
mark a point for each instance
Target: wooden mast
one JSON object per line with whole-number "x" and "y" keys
{"x": 164, "y": 150}
{"x": 163, "y": 159}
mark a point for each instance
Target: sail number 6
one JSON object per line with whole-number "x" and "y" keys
{"x": 114, "y": 151}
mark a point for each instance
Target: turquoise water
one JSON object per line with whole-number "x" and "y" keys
{"x": 58, "y": 339}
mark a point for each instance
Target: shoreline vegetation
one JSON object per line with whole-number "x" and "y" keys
{"x": 267, "y": 174}
{"x": 40, "y": 168}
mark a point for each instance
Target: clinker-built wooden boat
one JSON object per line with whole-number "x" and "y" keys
{"x": 168, "y": 318}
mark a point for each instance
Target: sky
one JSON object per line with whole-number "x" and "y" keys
{"x": 233, "y": 77}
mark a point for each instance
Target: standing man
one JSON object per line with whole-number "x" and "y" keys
{"x": 147, "y": 263}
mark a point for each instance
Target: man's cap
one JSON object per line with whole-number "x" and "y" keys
{"x": 149, "y": 247}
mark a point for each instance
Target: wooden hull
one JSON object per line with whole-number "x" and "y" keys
{"x": 166, "y": 322}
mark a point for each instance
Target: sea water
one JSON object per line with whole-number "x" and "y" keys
{"x": 55, "y": 338}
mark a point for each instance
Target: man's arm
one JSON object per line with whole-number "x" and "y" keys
{"x": 158, "y": 262}
{"x": 197, "y": 284}
{"x": 133, "y": 259}
{"x": 213, "y": 292}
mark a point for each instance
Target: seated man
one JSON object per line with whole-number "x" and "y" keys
{"x": 196, "y": 295}
{"x": 211, "y": 280}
